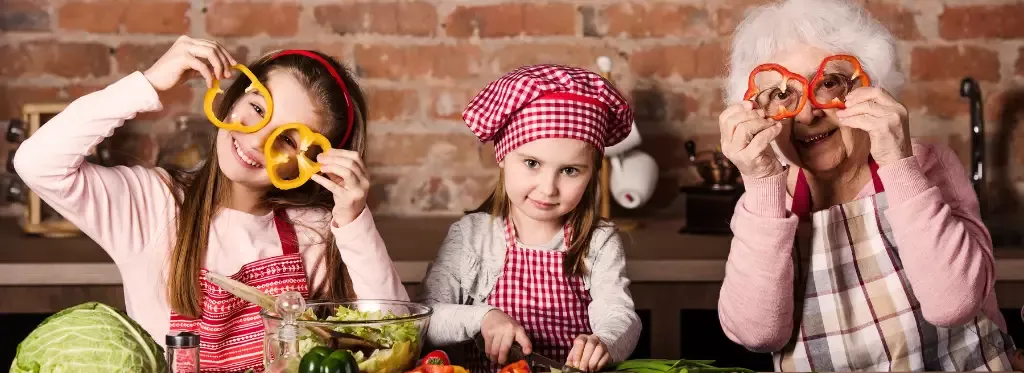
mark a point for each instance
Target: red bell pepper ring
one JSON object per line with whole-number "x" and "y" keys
{"x": 753, "y": 90}
{"x": 858, "y": 72}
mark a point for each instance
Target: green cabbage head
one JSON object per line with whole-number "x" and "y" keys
{"x": 87, "y": 338}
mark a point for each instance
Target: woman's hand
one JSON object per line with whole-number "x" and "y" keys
{"x": 208, "y": 58}
{"x": 873, "y": 110}
{"x": 347, "y": 179}
{"x": 588, "y": 353}
{"x": 499, "y": 331}
{"x": 746, "y": 136}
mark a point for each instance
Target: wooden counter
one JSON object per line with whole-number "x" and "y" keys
{"x": 670, "y": 271}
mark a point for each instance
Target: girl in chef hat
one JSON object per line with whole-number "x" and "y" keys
{"x": 535, "y": 264}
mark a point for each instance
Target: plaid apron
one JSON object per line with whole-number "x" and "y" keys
{"x": 533, "y": 290}
{"x": 230, "y": 329}
{"x": 855, "y": 309}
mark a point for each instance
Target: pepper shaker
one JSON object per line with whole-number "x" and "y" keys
{"x": 182, "y": 352}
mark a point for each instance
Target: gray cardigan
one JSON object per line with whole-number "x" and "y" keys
{"x": 472, "y": 257}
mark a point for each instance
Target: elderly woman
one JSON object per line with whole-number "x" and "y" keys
{"x": 855, "y": 247}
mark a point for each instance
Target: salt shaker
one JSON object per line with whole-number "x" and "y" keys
{"x": 182, "y": 352}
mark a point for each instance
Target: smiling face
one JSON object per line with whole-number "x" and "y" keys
{"x": 546, "y": 178}
{"x": 240, "y": 155}
{"x": 813, "y": 139}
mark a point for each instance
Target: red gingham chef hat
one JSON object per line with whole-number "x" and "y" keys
{"x": 544, "y": 101}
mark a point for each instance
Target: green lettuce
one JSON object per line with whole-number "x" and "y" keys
{"x": 90, "y": 337}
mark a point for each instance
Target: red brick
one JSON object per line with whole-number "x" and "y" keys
{"x": 113, "y": 16}
{"x": 895, "y": 17}
{"x": 1020, "y": 62}
{"x": 68, "y": 60}
{"x": 435, "y": 61}
{"x": 512, "y": 19}
{"x": 656, "y": 105}
{"x": 176, "y": 99}
{"x": 952, "y": 62}
{"x": 729, "y": 14}
{"x": 452, "y": 149}
{"x": 391, "y": 104}
{"x": 685, "y": 61}
{"x": 982, "y": 21}
{"x": 449, "y": 102}
{"x": 138, "y": 57}
{"x": 415, "y": 18}
{"x": 940, "y": 99}
{"x": 245, "y": 18}
{"x": 24, "y": 15}
{"x": 640, "y": 20}
{"x": 512, "y": 56}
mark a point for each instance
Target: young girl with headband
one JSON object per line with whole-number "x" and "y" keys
{"x": 165, "y": 229}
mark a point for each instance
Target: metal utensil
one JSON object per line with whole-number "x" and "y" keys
{"x": 534, "y": 360}
{"x": 335, "y": 339}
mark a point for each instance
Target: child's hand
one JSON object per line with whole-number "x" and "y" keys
{"x": 499, "y": 331}
{"x": 208, "y": 58}
{"x": 588, "y": 353}
{"x": 347, "y": 179}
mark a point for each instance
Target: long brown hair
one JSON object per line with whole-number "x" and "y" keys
{"x": 199, "y": 194}
{"x": 583, "y": 220}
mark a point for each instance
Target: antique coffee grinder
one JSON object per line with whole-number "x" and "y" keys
{"x": 710, "y": 204}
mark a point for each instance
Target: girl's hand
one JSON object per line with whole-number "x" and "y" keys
{"x": 347, "y": 179}
{"x": 499, "y": 331}
{"x": 588, "y": 353}
{"x": 186, "y": 57}
{"x": 746, "y": 136}
{"x": 885, "y": 120}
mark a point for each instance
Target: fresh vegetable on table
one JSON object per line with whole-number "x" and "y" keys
{"x": 436, "y": 357}
{"x": 322, "y": 360}
{"x": 438, "y": 368}
{"x": 516, "y": 367}
{"x": 90, "y": 337}
{"x": 401, "y": 336}
{"x": 671, "y": 366}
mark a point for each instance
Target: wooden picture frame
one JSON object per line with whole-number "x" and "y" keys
{"x": 34, "y": 116}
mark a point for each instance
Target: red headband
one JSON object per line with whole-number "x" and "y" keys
{"x": 337, "y": 77}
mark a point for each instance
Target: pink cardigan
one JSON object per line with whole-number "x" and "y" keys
{"x": 130, "y": 212}
{"x": 935, "y": 219}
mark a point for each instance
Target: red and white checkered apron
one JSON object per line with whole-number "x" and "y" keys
{"x": 855, "y": 308}
{"x": 230, "y": 329}
{"x": 534, "y": 291}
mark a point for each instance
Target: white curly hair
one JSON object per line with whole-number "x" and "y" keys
{"x": 838, "y": 26}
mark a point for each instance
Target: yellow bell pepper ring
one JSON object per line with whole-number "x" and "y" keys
{"x": 307, "y": 167}
{"x": 215, "y": 90}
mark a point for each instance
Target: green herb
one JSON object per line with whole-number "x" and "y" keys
{"x": 672, "y": 366}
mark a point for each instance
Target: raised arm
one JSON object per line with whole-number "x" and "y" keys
{"x": 945, "y": 248}
{"x": 373, "y": 273}
{"x": 755, "y": 305}
{"x": 118, "y": 207}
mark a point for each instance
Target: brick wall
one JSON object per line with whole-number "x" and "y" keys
{"x": 421, "y": 61}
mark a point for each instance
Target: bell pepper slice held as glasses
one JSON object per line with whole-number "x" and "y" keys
{"x": 753, "y": 90}
{"x": 255, "y": 84}
{"x": 858, "y": 72}
{"x": 307, "y": 167}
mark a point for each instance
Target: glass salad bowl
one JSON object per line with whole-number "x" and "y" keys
{"x": 395, "y": 329}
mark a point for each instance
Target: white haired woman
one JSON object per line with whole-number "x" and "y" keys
{"x": 866, "y": 251}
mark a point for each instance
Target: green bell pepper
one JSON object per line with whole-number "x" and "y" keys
{"x": 323, "y": 360}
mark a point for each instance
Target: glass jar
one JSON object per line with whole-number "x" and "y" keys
{"x": 182, "y": 352}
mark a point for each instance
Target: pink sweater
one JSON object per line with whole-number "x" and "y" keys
{"x": 934, "y": 215}
{"x": 130, "y": 212}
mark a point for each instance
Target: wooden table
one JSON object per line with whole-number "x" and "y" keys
{"x": 670, "y": 271}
